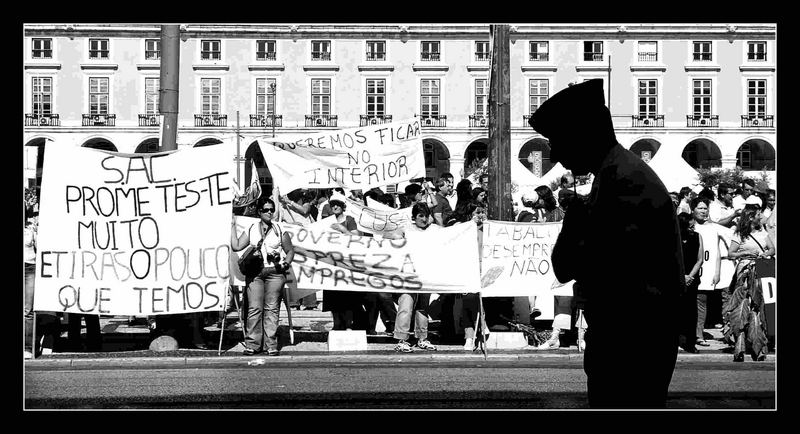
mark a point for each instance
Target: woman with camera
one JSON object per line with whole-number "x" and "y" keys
{"x": 264, "y": 289}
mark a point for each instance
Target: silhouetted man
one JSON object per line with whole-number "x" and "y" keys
{"x": 624, "y": 249}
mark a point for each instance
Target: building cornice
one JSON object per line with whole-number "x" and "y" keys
{"x": 605, "y": 31}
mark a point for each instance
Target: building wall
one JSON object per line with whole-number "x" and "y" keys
{"x": 403, "y": 70}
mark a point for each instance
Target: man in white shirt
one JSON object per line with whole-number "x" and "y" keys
{"x": 721, "y": 210}
{"x": 452, "y": 198}
{"x": 748, "y": 186}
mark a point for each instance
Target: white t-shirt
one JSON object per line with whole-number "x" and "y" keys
{"x": 28, "y": 245}
{"x": 739, "y": 201}
{"x": 272, "y": 240}
{"x": 453, "y": 199}
{"x": 748, "y": 245}
{"x": 709, "y": 233}
{"x": 717, "y": 211}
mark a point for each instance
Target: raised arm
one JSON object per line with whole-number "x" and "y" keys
{"x": 241, "y": 241}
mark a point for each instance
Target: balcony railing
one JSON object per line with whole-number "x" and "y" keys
{"x": 481, "y": 56}
{"x": 322, "y": 120}
{"x": 266, "y": 55}
{"x": 376, "y": 55}
{"x": 42, "y": 54}
{"x": 539, "y": 57}
{"x": 592, "y": 57}
{"x": 266, "y": 120}
{"x": 702, "y": 121}
{"x": 433, "y": 120}
{"x": 478, "y": 121}
{"x": 210, "y": 55}
{"x": 149, "y": 120}
{"x": 38, "y": 120}
{"x": 757, "y": 121}
{"x": 757, "y": 56}
{"x": 152, "y": 54}
{"x": 525, "y": 119}
{"x": 648, "y": 57}
{"x": 427, "y": 56}
{"x": 701, "y": 57}
{"x": 647, "y": 121}
{"x": 98, "y": 54}
{"x": 374, "y": 119}
{"x": 320, "y": 55}
{"x": 210, "y": 120}
{"x": 105, "y": 120}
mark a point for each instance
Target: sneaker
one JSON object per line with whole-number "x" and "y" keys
{"x": 424, "y": 344}
{"x": 469, "y": 345}
{"x": 403, "y": 347}
{"x": 551, "y": 344}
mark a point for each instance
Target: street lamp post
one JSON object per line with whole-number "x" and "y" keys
{"x": 272, "y": 87}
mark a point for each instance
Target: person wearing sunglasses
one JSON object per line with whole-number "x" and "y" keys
{"x": 264, "y": 291}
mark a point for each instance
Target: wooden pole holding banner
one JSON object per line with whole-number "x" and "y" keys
{"x": 500, "y": 203}
{"x": 479, "y": 327}
{"x": 288, "y": 312}
{"x": 224, "y": 316}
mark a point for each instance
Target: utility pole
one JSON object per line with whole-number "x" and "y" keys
{"x": 168, "y": 81}
{"x": 238, "y": 152}
{"x": 500, "y": 202}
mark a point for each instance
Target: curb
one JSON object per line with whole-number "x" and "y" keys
{"x": 355, "y": 358}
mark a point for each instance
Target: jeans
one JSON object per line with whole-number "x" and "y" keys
{"x": 412, "y": 306}
{"x": 702, "y": 303}
{"x": 27, "y": 306}
{"x": 380, "y": 302}
{"x": 263, "y": 306}
{"x": 470, "y": 308}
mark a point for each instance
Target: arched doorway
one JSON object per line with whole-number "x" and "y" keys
{"x": 756, "y": 154}
{"x": 645, "y": 148}
{"x": 207, "y": 142}
{"x": 437, "y": 158}
{"x": 253, "y": 154}
{"x": 476, "y": 151}
{"x": 34, "y": 161}
{"x": 100, "y": 143}
{"x": 148, "y": 146}
{"x": 702, "y": 153}
{"x": 535, "y": 156}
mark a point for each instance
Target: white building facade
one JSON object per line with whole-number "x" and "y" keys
{"x": 706, "y": 92}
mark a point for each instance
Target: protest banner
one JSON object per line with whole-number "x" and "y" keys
{"x": 438, "y": 260}
{"x": 517, "y": 262}
{"x": 134, "y": 234}
{"x": 251, "y": 193}
{"x": 378, "y": 221}
{"x": 355, "y": 158}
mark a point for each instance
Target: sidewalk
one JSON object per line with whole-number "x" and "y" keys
{"x": 128, "y": 345}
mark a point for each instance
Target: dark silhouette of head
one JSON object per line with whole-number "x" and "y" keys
{"x": 578, "y": 125}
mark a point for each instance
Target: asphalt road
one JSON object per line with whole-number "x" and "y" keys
{"x": 530, "y": 384}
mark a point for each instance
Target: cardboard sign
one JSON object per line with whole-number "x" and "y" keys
{"x": 134, "y": 234}
{"x": 355, "y": 158}
{"x": 437, "y": 260}
{"x": 516, "y": 260}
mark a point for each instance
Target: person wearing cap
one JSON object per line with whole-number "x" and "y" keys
{"x": 622, "y": 247}
{"x": 748, "y": 187}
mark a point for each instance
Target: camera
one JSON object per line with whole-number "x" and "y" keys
{"x": 274, "y": 258}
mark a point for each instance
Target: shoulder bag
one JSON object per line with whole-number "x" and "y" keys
{"x": 251, "y": 263}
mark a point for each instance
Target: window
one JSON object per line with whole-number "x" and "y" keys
{"x": 210, "y": 95}
{"x": 648, "y": 98}
{"x": 376, "y": 97}
{"x": 152, "y": 49}
{"x": 482, "y": 50}
{"x": 756, "y": 98}
{"x": 98, "y": 95}
{"x": 151, "y": 96}
{"x": 539, "y": 92}
{"x": 429, "y": 93}
{"x": 42, "y": 97}
{"x": 430, "y": 51}
{"x": 648, "y": 51}
{"x": 210, "y": 50}
{"x": 744, "y": 157}
{"x": 321, "y": 96}
{"x": 265, "y": 50}
{"x": 592, "y": 51}
{"x": 701, "y": 51}
{"x": 482, "y": 97}
{"x": 265, "y": 96}
{"x": 757, "y": 51}
{"x": 376, "y": 50}
{"x": 320, "y": 50}
{"x": 701, "y": 98}
{"x": 98, "y": 48}
{"x": 42, "y": 48}
{"x": 539, "y": 51}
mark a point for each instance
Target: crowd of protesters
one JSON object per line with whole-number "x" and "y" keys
{"x": 748, "y": 212}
